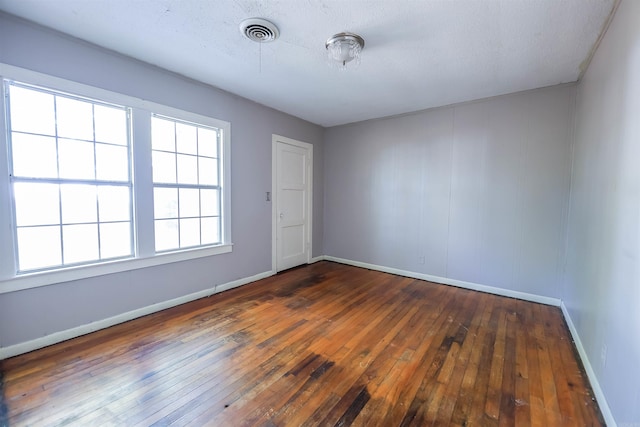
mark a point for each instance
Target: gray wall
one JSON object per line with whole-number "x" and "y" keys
{"x": 30, "y": 314}
{"x": 602, "y": 290}
{"x": 479, "y": 190}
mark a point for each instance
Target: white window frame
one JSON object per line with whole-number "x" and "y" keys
{"x": 144, "y": 251}
{"x": 177, "y": 185}
{"x": 96, "y": 181}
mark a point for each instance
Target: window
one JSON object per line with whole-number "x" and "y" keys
{"x": 69, "y": 172}
{"x": 106, "y": 182}
{"x": 186, "y": 188}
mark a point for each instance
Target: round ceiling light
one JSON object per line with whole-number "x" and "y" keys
{"x": 259, "y": 30}
{"x": 343, "y": 48}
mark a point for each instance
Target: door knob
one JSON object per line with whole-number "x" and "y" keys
{"x": 281, "y": 215}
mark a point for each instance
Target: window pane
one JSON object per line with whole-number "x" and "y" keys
{"x": 114, "y": 203}
{"x": 210, "y": 230}
{"x": 208, "y": 171}
{"x": 76, "y": 159}
{"x": 163, "y": 135}
{"x": 195, "y": 163}
{"x": 166, "y": 234}
{"x": 36, "y": 204}
{"x": 189, "y": 202}
{"x": 207, "y": 142}
{"x": 165, "y": 202}
{"x": 74, "y": 118}
{"x": 164, "y": 167}
{"x": 32, "y": 111}
{"x": 209, "y": 203}
{"x": 112, "y": 163}
{"x": 39, "y": 247}
{"x": 34, "y": 156}
{"x": 186, "y": 139}
{"x": 187, "y": 169}
{"x": 78, "y": 203}
{"x": 80, "y": 243}
{"x": 111, "y": 124}
{"x": 189, "y": 232}
{"x": 115, "y": 240}
{"x": 71, "y": 164}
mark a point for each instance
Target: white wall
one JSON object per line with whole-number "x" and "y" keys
{"x": 34, "y": 313}
{"x": 602, "y": 290}
{"x": 479, "y": 190}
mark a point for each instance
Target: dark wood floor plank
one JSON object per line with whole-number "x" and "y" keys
{"x": 573, "y": 370}
{"x": 565, "y": 404}
{"x": 237, "y": 401}
{"x": 370, "y": 361}
{"x": 468, "y": 386}
{"x": 325, "y": 344}
{"x": 117, "y": 360}
{"x": 549, "y": 391}
{"x": 494, "y": 390}
{"x": 536, "y": 397}
{"x": 385, "y": 390}
{"x": 427, "y": 361}
{"x": 354, "y": 357}
{"x": 508, "y": 400}
{"x": 454, "y": 386}
{"x": 477, "y": 414}
{"x": 121, "y": 379}
{"x": 522, "y": 412}
{"x": 316, "y": 405}
{"x": 225, "y": 384}
{"x": 427, "y": 400}
{"x": 381, "y": 358}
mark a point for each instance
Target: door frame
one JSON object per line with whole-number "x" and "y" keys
{"x": 274, "y": 196}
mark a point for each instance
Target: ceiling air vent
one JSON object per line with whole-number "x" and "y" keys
{"x": 259, "y": 30}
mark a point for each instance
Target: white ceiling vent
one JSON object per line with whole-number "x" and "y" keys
{"x": 259, "y": 30}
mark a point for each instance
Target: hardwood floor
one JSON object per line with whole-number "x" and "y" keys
{"x": 325, "y": 344}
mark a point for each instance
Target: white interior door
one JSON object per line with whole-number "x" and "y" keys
{"x": 292, "y": 202}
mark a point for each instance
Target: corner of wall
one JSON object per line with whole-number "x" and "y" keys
{"x": 564, "y": 257}
{"x": 591, "y": 375}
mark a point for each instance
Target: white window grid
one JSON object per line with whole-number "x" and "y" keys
{"x": 199, "y": 186}
{"x": 59, "y": 181}
{"x": 141, "y": 191}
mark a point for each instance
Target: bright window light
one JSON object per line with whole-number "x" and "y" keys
{"x": 99, "y": 182}
{"x": 70, "y": 179}
{"x": 186, "y": 181}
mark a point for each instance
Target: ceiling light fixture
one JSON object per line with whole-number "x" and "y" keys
{"x": 344, "y": 47}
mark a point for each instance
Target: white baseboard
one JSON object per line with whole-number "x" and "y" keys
{"x": 57, "y": 337}
{"x": 595, "y": 385}
{"x": 446, "y": 281}
{"x": 240, "y": 282}
{"x": 317, "y": 259}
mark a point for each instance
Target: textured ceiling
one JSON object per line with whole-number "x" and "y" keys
{"x": 418, "y": 54}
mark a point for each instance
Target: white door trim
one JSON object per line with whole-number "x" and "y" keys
{"x": 274, "y": 196}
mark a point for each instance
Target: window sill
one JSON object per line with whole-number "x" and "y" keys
{"x": 45, "y": 278}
